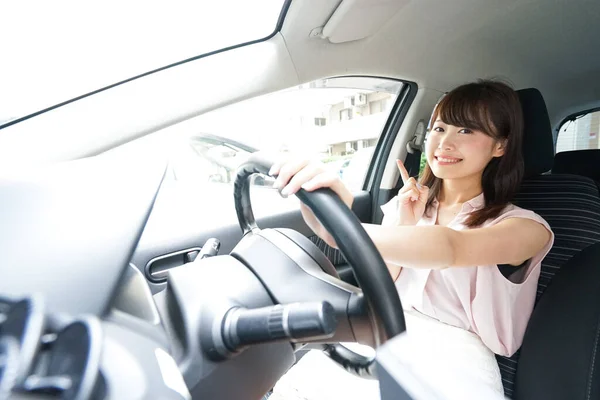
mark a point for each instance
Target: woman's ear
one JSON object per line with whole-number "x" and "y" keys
{"x": 499, "y": 148}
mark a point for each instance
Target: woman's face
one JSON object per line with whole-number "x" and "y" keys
{"x": 455, "y": 152}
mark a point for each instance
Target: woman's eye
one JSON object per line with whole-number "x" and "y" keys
{"x": 465, "y": 130}
{"x": 438, "y": 129}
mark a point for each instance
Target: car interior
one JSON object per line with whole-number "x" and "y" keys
{"x": 119, "y": 282}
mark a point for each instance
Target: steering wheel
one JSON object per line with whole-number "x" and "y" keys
{"x": 382, "y": 299}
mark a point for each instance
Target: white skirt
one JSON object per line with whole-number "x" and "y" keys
{"x": 437, "y": 352}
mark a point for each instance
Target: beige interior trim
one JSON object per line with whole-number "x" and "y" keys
{"x": 358, "y": 19}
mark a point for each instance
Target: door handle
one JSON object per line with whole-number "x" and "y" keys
{"x": 158, "y": 267}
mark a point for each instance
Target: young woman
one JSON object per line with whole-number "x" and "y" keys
{"x": 465, "y": 260}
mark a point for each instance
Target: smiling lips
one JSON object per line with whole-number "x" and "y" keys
{"x": 446, "y": 160}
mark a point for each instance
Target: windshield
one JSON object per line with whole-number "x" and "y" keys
{"x": 337, "y": 120}
{"x": 57, "y": 52}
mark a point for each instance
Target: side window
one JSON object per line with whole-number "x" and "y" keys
{"x": 339, "y": 120}
{"x": 422, "y": 162}
{"x": 579, "y": 134}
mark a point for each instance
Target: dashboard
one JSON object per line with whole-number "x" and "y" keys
{"x": 75, "y": 222}
{"x": 69, "y": 297}
{"x": 82, "y": 316}
{"x": 79, "y": 317}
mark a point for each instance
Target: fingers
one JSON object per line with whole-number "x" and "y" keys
{"x": 276, "y": 167}
{"x": 403, "y": 172}
{"x": 324, "y": 179}
{"x": 414, "y": 191}
{"x": 286, "y": 170}
{"x": 298, "y": 172}
{"x": 280, "y": 160}
{"x": 423, "y": 193}
{"x": 409, "y": 196}
{"x": 409, "y": 184}
{"x": 295, "y": 173}
{"x": 301, "y": 177}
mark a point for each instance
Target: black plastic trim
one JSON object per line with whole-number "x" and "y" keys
{"x": 384, "y": 145}
{"x": 361, "y": 206}
{"x": 278, "y": 26}
{"x": 572, "y": 117}
{"x": 384, "y": 195}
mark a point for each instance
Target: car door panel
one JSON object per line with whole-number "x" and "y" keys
{"x": 176, "y": 228}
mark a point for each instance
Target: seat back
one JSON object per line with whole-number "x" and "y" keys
{"x": 578, "y": 162}
{"x": 560, "y": 357}
{"x": 571, "y": 205}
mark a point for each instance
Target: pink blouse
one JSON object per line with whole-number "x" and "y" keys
{"x": 478, "y": 299}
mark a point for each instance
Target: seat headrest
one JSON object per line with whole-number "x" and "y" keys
{"x": 538, "y": 144}
{"x": 578, "y": 162}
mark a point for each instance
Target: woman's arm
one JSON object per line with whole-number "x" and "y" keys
{"x": 511, "y": 241}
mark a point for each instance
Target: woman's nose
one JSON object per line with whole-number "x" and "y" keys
{"x": 446, "y": 142}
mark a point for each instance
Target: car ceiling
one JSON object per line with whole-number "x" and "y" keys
{"x": 551, "y": 45}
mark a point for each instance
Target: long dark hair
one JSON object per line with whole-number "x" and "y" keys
{"x": 494, "y": 108}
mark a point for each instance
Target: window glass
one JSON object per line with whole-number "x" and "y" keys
{"x": 333, "y": 118}
{"x": 422, "y": 162}
{"x": 59, "y": 51}
{"x": 338, "y": 120}
{"x": 580, "y": 133}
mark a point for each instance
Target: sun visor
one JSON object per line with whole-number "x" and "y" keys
{"x": 358, "y": 19}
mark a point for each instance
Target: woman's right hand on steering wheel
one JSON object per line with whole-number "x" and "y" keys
{"x": 294, "y": 172}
